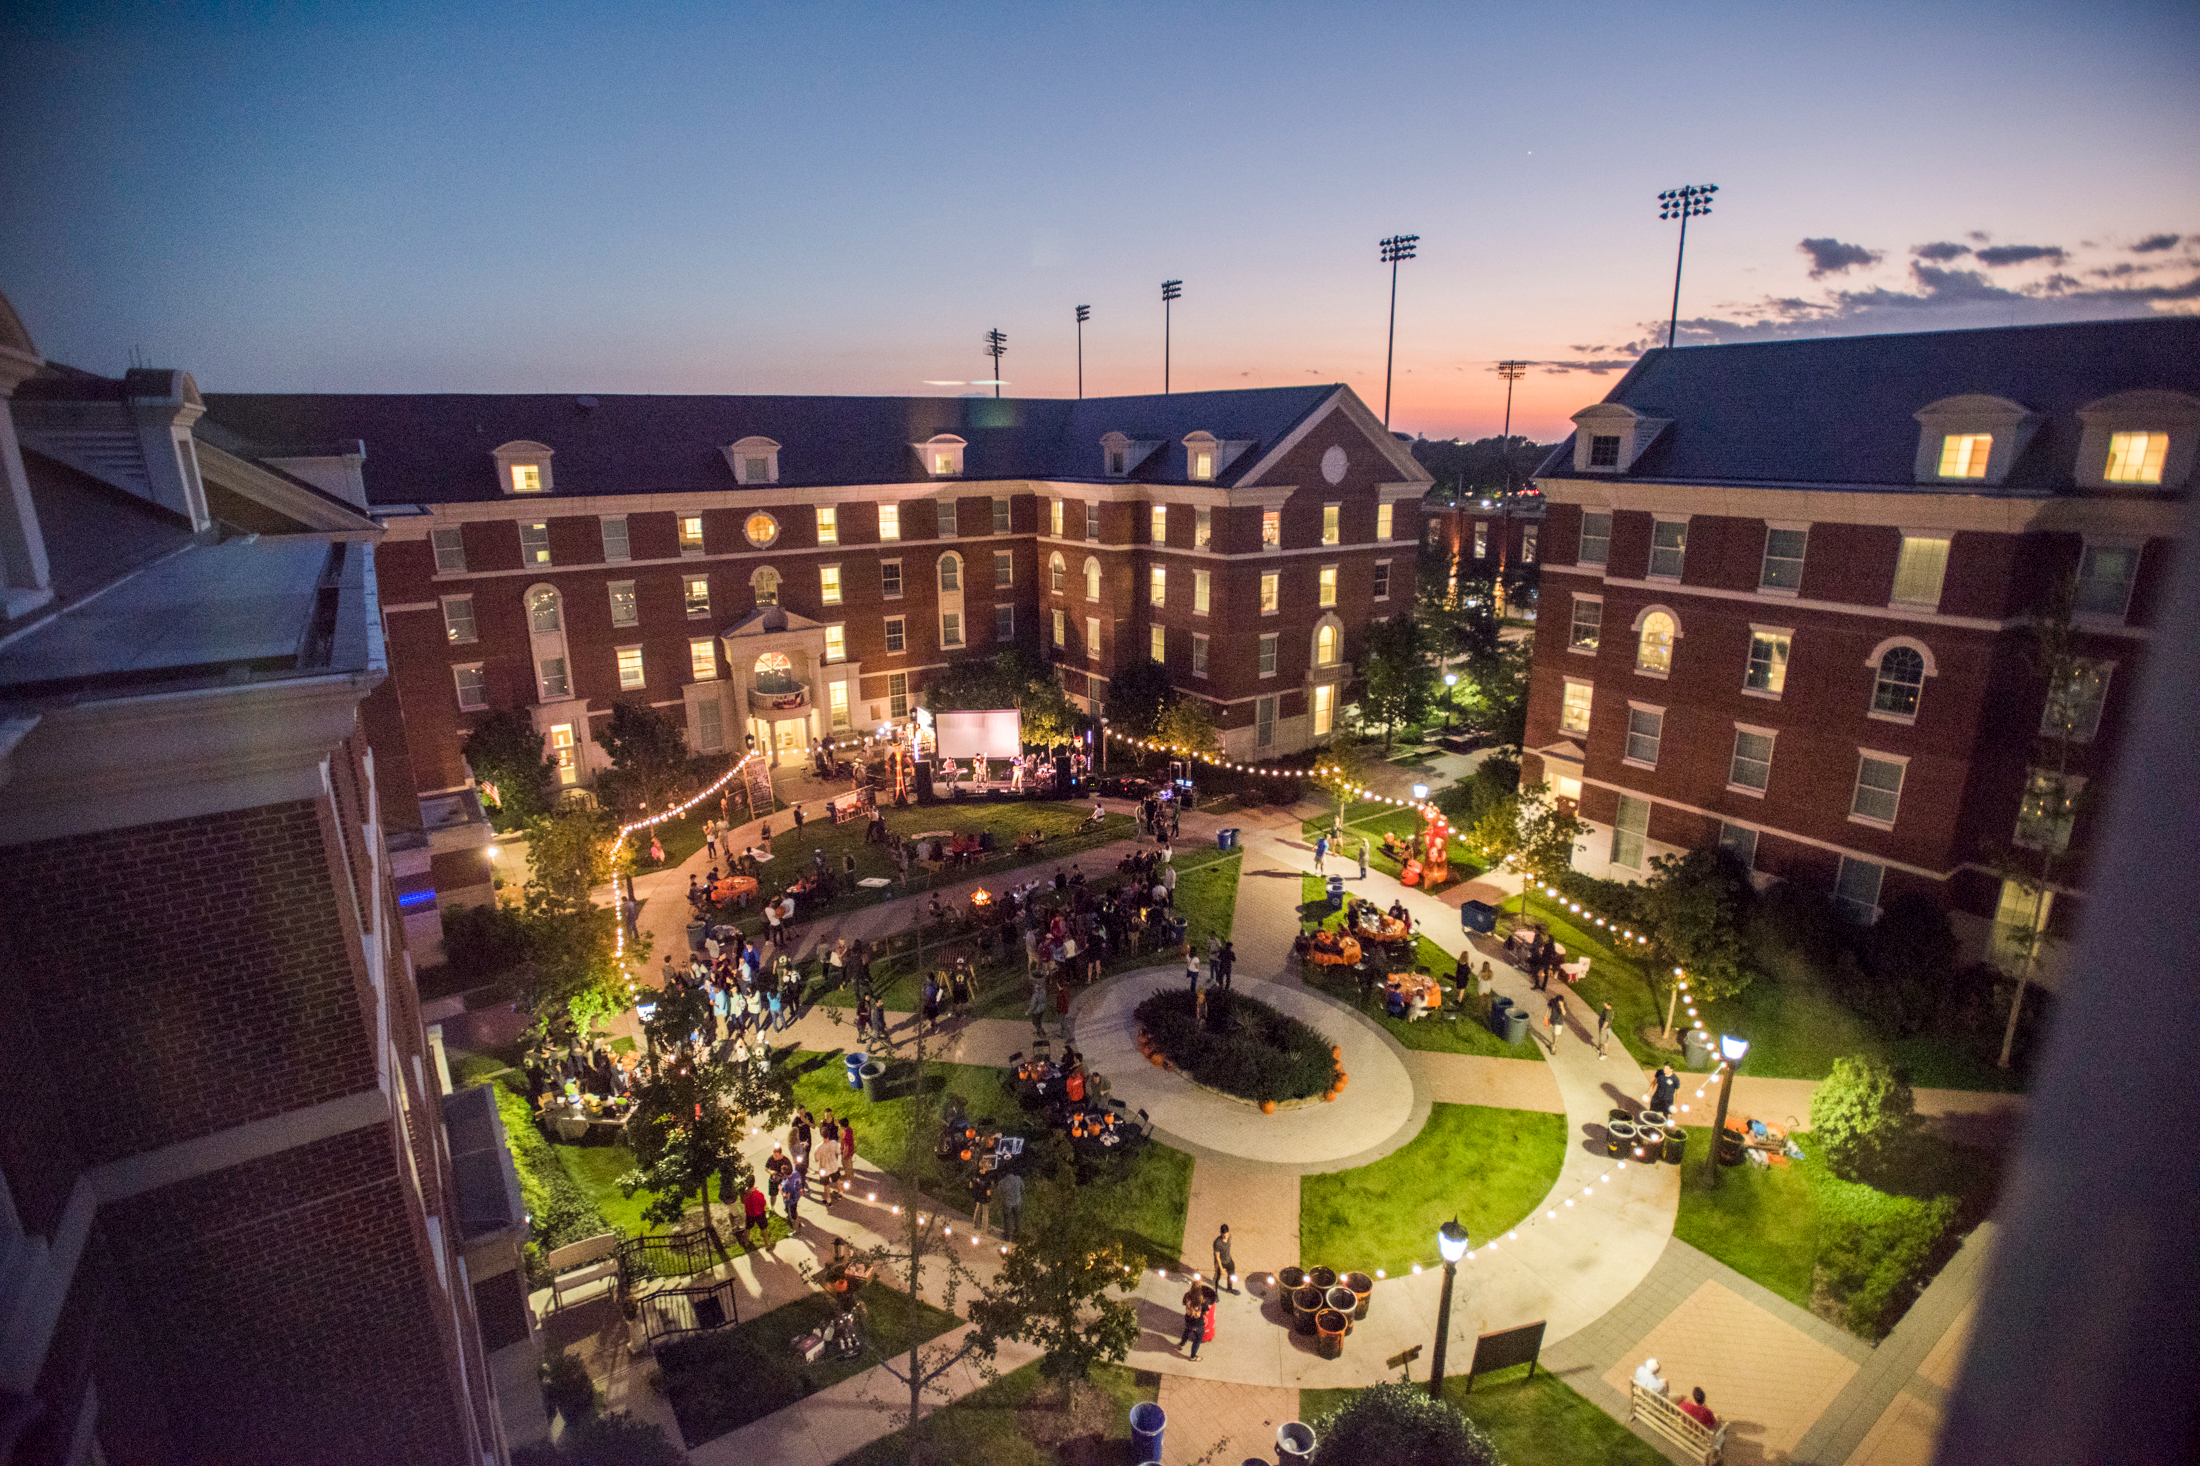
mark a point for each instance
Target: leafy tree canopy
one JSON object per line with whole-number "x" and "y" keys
{"x": 651, "y": 768}
{"x": 1400, "y": 672}
{"x": 1009, "y": 680}
{"x": 1188, "y": 724}
{"x": 1864, "y": 1115}
{"x": 1053, "y": 1288}
{"x": 505, "y": 751}
{"x": 1399, "y": 1425}
{"x": 1691, "y": 908}
{"x": 1138, "y": 696}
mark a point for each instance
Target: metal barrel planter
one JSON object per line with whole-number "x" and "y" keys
{"x": 1341, "y": 1299}
{"x": 1323, "y": 1278}
{"x": 1290, "y": 1280}
{"x": 1363, "y": 1287}
{"x": 1649, "y": 1142}
{"x": 1619, "y": 1137}
{"x": 1676, "y": 1144}
{"x": 1304, "y": 1305}
{"x": 1330, "y": 1326}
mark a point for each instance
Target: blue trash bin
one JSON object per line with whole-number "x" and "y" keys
{"x": 1226, "y": 839}
{"x": 1499, "y": 1006}
{"x": 855, "y": 1063}
{"x": 1147, "y": 1423}
{"x": 1336, "y": 893}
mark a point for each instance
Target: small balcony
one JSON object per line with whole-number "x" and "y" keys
{"x": 784, "y": 698}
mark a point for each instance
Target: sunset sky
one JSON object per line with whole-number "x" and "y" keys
{"x": 728, "y": 198}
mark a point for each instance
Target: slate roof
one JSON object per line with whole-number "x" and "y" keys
{"x": 435, "y": 448}
{"x": 1839, "y": 410}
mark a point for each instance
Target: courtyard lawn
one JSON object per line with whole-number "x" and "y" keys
{"x": 1528, "y": 1420}
{"x": 1385, "y": 1215}
{"x": 1025, "y": 1419}
{"x": 722, "y": 1381}
{"x": 1441, "y": 1035}
{"x": 1375, "y": 819}
{"x": 1143, "y": 1195}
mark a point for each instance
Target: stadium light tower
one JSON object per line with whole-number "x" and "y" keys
{"x": 1511, "y": 371}
{"x": 1084, "y": 314}
{"x": 1397, "y": 247}
{"x": 1683, "y": 204}
{"x": 996, "y": 345}
{"x": 1170, "y": 290}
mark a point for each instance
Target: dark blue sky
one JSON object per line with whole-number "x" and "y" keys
{"x": 844, "y": 198}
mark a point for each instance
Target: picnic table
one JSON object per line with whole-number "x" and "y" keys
{"x": 1383, "y": 929}
{"x": 733, "y": 888}
{"x": 1345, "y": 953}
{"x": 1409, "y": 985}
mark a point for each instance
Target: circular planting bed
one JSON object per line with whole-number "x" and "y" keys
{"x": 1243, "y": 1048}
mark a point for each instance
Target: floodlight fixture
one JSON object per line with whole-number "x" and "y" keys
{"x": 1170, "y": 291}
{"x": 996, "y": 345}
{"x": 1689, "y": 202}
{"x": 1084, "y": 314}
{"x": 1397, "y": 247}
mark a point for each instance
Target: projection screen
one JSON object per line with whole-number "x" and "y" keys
{"x": 998, "y": 734}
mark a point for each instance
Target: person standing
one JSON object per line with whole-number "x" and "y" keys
{"x": 1225, "y": 1263}
{"x": 1191, "y": 967}
{"x": 1037, "y": 1007}
{"x": 1664, "y": 1086}
{"x": 1604, "y": 1028}
{"x": 1554, "y": 1019}
{"x": 1011, "y": 1193}
{"x": 1227, "y": 963}
{"x": 790, "y": 1193}
{"x": 1321, "y": 852}
{"x": 1197, "y": 1307}
{"x": 847, "y": 1155}
{"x": 828, "y": 1162}
{"x": 753, "y": 1208}
{"x": 1363, "y": 857}
{"x": 981, "y": 1200}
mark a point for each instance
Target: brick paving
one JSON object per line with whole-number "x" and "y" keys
{"x": 1216, "y": 1424}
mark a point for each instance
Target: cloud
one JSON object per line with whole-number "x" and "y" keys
{"x": 2022, "y": 254}
{"x": 1942, "y": 250}
{"x": 1832, "y": 257}
{"x": 2155, "y": 242}
{"x": 1595, "y": 367}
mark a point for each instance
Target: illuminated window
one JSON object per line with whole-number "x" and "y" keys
{"x": 1899, "y": 683}
{"x": 1573, "y": 713}
{"x": 1199, "y": 656}
{"x": 951, "y": 567}
{"x": 897, "y": 635}
{"x": 458, "y": 619}
{"x": 630, "y": 667}
{"x": 1000, "y": 515}
{"x": 1004, "y": 569}
{"x": 951, "y": 628}
{"x": 1654, "y": 651}
{"x": 691, "y": 534}
{"x": 1768, "y": 662}
{"x": 1203, "y": 463}
{"x": 1157, "y": 644}
{"x": 1919, "y": 571}
{"x": 534, "y": 542}
{"x": 1581, "y": 635}
{"x": 2136, "y": 458}
{"x": 943, "y": 462}
{"x": 1202, "y": 589}
{"x": 696, "y": 591}
{"x": 1529, "y": 533}
{"x": 1328, "y": 595}
{"x": 703, "y": 658}
{"x": 1004, "y": 623}
{"x": 1054, "y": 511}
{"x": 1630, "y": 832}
{"x": 563, "y": 755}
{"x": 2105, "y": 576}
{"x": 889, "y": 521}
{"x": 1270, "y": 581}
{"x": 450, "y": 551}
{"x": 1596, "y": 539}
{"x": 764, "y": 582}
{"x": 615, "y": 545}
{"x": 1382, "y": 580}
{"x": 2020, "y": 915}
{"x": 1268, "y": 655}
{"x": 1203, "y": 528}
{"x": 1668, "y": 547}
{"x": 897, "y": 694}
{"x": 526, "y": 478}
{"x": 836, "y": 699}
{"x": 828, "y": 584}
{"x": 1878, "y": 792}
{"x": 889, "y": 579}
{"x": 1645, "y": 732}
{"x": 1092, "y": 638}
{"x": 473, "y": 688}
{"x": 1057, "y": 572}
{"x": 1384, "y": 520}
{"x": 943, "y": 455}
{"x": 543, "y": 612}
{"x": 1325, "y": 708}
{"x": 836, "y": 642}
{"x": 1604, "y": 450}
{"x": 1783, "y": 563}
{"x": 1264, "y": 722}
{"x": 1271, "y": 529}
{"x": 1481, "y": 539}
{"x": 1751, "y": 767}
{"x": 554, "y": 684}
{"x": 946, "y": 519}
{"x": 1325, "y": 646}
{"x": 624, "y": 610}
{"x": 1332, "y": 531}
{"x": 1963, "y": 455}
{"x": 1061, "y": 629}
{"x": 1160, "y": 527}
{"x": 2074, "y": 704}
{"x": 1092, "y": 579}
{"x": 2047, "y": 811}
{"x": 1157, "y": 587}
{"x": 828, "y": 525}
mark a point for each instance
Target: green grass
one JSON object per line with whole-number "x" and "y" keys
{"x": 1374, "y": 819}
{"x": 1019, "y": 1420}
{"x": 1143, "y": 1195}
{"x": 1531, "y": 1421}
{"x": 722, "y": 1381}
{"x": 1433, "y": 1034}
{"x": 1385, "y": 1215}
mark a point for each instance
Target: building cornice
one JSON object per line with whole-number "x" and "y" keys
{"x": 1910, "y": 507}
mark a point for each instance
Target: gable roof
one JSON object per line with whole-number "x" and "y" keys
{"x": 435, "y": 447}
{"x": 1840, "y": 410}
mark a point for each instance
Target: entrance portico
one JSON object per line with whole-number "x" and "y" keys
{"x": 778, "y": 662}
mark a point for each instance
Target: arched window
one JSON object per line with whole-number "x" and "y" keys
{"x": 1900, "y": 682}
{"x": 1092, "y": 579}
{"x": 765, "y": 582}
{"x": 951, "y": 576}
{"x": 1654, "y": 652}
{"x": 542, "y": 611}
{"x": 1325, "y": 645}
{"x": 775, "y": 674}
{"x": 1057, "y": 572}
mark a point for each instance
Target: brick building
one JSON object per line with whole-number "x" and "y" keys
{"x": 231, "y": 1228}
{"x": 789, "y": 569}
{"x": 1787, "y": 592}
{"x": 1498, "y": 537}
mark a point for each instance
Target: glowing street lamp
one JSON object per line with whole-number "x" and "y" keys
{"x": 1451, "y": 692}
{"x": 1451, "y": 1245}
{"x": 1733, "y": 1050}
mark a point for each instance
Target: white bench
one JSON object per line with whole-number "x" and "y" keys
{"x": 577, "y": 1264}
{"x": 1667, "y": 1421}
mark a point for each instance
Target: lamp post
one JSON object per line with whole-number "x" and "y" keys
{"x": 1733, "y": 1050}
{"x": 1084, "y": 314}
{"x": 996, "y": 345}
{"x": 1397, "y": 247}
{"x": 1451, "y": 691}
{"x": 1683, "y": 204}
{"x": 1451, "y": 1245}
{"x": 1170, "y": 290}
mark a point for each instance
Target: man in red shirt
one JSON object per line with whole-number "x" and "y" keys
{"x": 1695, "y": 1409}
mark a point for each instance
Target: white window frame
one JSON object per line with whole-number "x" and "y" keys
{"x": 1202, "y": 592}
{"x": 633, "y": 615}
{"x": 1264, "y": 722}
{"x": 1333, "y": 524}
{"x": 1877, "y": 666}
{"x": 889, "y": 580}
{"x": 1004, "y": 569}
{"x": 1157, "y": 585}
{"x": 897, "y": 629}
{"x": 2100, "y": 616}
{"x": 828, "y": 524}
{"x": 448, "y": 544}
{"x": 1574, "y": 641}
{"x": 1603, "y": 541}
{"x": 1861, "y": 913}
{"x": 1922, "y": 538}
{"x": 1004, "y": 621}
{"x": 1901, "y": 763}
{"x": 839, "y": 715}
{"x": 691, "y": 533}
{"x": 1057, "y": 574}
{"x": 534, "y": 542}
{"x": 459, "y": 626}
{"x": 950, "y": 569}
{"x": 1767, "y": 560}
{"x": 1324, "y": 708}
{"x": 889, "y": 521}
{"x": 1530, "y": 537}
{"x": 1382, "y": 580}
{"x": 1203, "y": 528}
{"x": 1735, "y": 759}
{"x": 1061, "y": 629}
{"x": 897, "y": 694}
{"x": 1680, "y": 566}
{"x": 1271, "y": 529}
{"x": 828, "y": 585}
{"x": 1624, "y": 835}
{"x": 946, "y": 518}
{"x": 1000, "y": 509}
{"x": 1054, "y": 517}
{"x": 1782, "y": 639}
{"x": 764, "y": 585}
{"x": 1092, "y": 578}
{"x": 1157, "y": 531}
{"x": 1199, "y": 655}
{"x": 1268, "y": 648}
{"x": 951, "y": 630}
{"x": 624, "y": 542}
{"x": 836, "y": 641}
{"x": 1271, "y": 592}
{"x": 695, "y": 611}
{"x": 1328, "y": 642}
{"x": 631, "y": 675}
{"x": 1325, "y": 587}
{"x": 1092, "y": 638}
{"x": 2143, "y": 467}
{"x": 1569, "y": 705}
{"x": 701, "y": 650}
{"x": 1092, "y": 520}
{"x": 1386, "y": 519}
{"x": 1157, "y": 644}
{"x": 480, "y": 686}
{"x": 1642, "y": 632}
{"x": 545, "y": 690}
{"x": 1656, "y": 736}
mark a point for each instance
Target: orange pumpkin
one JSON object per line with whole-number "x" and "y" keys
{"x": 1268, "y": 1107}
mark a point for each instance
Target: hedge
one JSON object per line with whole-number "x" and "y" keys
{"x": 1246, "y": 1048}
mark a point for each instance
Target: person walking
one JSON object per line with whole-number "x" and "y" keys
{"x": 1037, "y": 1007}
{"x": 1554, "y": 1018}
{"x": 790, "y": 1194}
{"x": 1664, "y": 1086}
{"x": 1197, "y": 1310}
{"x": 1226, "y": 964}
{"x": 1225, "y": 1264}
{"x": 1011, "y": 1193}
{"x": 1363, "y": 857}
{"x": 753, "y": 1208}
{"x": 847, "y": 1155}
{"x": 1604, "y": 1028}
{"x": 1321, "y": 852}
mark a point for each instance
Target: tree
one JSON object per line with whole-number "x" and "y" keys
{"x": 1533, "y": 831}
{"x": 1138, "y": 696}
{"x": 1497, "y": 683}
{"x": 571, "y": 942}
{"x": 1009, "y": 680}
{"x": 651, "y": 766}
{"x": 505, "y": 752}
{"x": 691, "y": 1112}
{"x": 1344, "y": 771}
{"x": 1864, "y": 1115}
{"x": 1052, "y": 1290}
{"x": 1690, "y": 910}
{"x": 1400, "y": 1425}
{"x": 1400, "y": 674}
{"x": 1188, "y": 724}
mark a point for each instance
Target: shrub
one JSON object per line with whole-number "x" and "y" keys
{"x": 613, "y": 1438}
{"x": 482, "y": 942}
{"x": 566, "y": 1387}
{"x": 1246, "y": 1048}
{"x": 1399, "y": 1425}
{"x": 1873, "y": 1267}
{"x": 1863, "y": 1114}
{"x": 558, "y": 1209}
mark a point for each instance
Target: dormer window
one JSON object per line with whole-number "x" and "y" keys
{"x": 1609, "y": 437}
{"x": 1973, "y": 439}
{"x": 1604, "y": 450}
{"x": 1120, "y": 453}
{"x": 2136, "y": 458}
{"x": 523, "y": 468}
{"x": 1200, "y": 457}
{"x": 1116, "y": 463}
{"x": 1963, "y": 455}
{"x": 942, "y": 455}
{"x": 2138, "y": 441}
{"x": 753, "y": 461}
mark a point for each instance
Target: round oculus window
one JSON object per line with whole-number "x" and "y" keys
{"x": 761, "y": 529}
{"x": 1333, "y": 465}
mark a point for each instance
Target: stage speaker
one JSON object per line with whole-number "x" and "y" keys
{"x": 923, "y": 780}
{"x": 1064, "y": 786}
